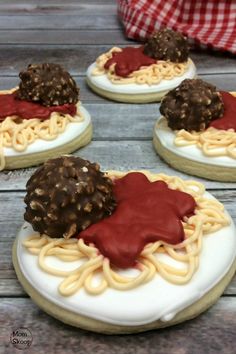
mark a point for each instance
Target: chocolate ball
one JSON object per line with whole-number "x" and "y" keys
{"x": 48, "y": 84}
{"x": 192, "y": 105}
{"x": 166, "y": 44}
{"x": 66, "y": 195}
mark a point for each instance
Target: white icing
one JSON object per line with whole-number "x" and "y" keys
{"x": 72, "y": 131}
{"x": 157, "y": 299}
{"x": 192, "y": 152}
{"x": 104, "y": 83}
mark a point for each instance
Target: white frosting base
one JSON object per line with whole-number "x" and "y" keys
{"x": 72, "y": 131}
{"x": 104, "y": 83}
{"x": 155, "y": 300}
{"x": 192, "y": 152}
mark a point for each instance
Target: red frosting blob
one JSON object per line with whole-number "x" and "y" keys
{"x": 129, "y": 60}
{"x": 146, "y": 212}
{"x": 228, "y": 121}
{"x": 11, "y": 106}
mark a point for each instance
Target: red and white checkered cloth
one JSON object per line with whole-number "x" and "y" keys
{"x": 208, "y": 23}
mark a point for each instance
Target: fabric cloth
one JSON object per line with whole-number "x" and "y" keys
{"x": 208, "y": 23}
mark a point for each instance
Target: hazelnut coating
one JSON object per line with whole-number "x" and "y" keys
{"x": 66, "y": 195}
{"x": 192, "y": 105}
{"x": 166, "y": 44}
{"x": 48, "y": 84}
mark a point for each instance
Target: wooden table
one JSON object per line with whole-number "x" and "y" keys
{"x": 73, "y": 33}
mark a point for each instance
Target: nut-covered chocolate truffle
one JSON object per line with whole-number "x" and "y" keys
{"x": 48, "y": 84}
{"x": 166, "y": 44}
{"x": 66, "y": 195}
{"x": 192, "y": 105}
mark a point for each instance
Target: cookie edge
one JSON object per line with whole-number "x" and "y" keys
{"x": 29, "y": 160}
{"x": 98, "y": 326}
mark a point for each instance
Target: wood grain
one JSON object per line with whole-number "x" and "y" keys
{"x": 224, "y": 82}
{"x": 52, "y": 5}
{"x": 92, "y": 15}
{"x": 68, "y": 37}
{"x": 122, "y": 155}
{"x": 77, "y": 58}
{"x": 204, "y": 334}
{"x": 9, "y": 286}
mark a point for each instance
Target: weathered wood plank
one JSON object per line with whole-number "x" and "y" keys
{"x": 218, "y": 323}
{"x": 58, "y": 3}
{"x": 70, "y": 37}
{"x": 123, "y": 155}
{"x": 115, "y": 121}
{"x": 86, "y": 17}
{"x": 77, "y": 58}
{"x": 11, "y": 287}
{"x": 39, "y": 5}
{"x": 223, "y": 81}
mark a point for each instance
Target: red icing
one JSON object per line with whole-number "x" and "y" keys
{"x": 129, "y": 60}
{"x": 146, "y": 212}
{"x": 11, "y": 106}
{"x": 228, "y": 121}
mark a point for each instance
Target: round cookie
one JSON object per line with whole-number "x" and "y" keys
{"x": 74, "y": 137}
{"x": 42, "y": 117}
{"x": 142, "y": 74}
{"x": 135, "y": 93}
{"x": 91, "y": 324}
{"x": 125, "y": 311}
{"x": 190, "y": 159}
